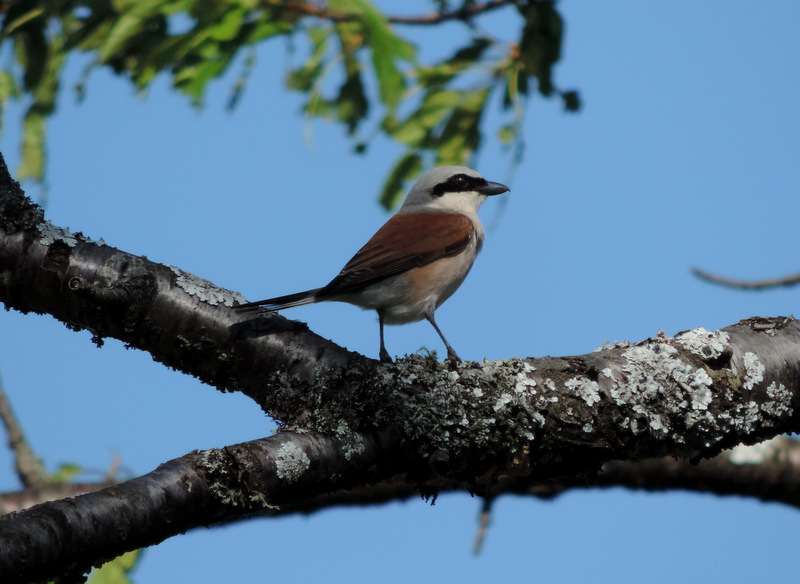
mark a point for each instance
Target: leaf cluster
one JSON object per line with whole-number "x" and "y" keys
{"x": 356, "y": 62}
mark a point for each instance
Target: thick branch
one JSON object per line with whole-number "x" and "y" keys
{"x": 475, "y": 427}
{"x": 202, "y": 488}
{"x": 183, "y": 321}
{"x": 280, "y": 475}
{"x": 689, "y": 397}
{"x": 769, "y": 471}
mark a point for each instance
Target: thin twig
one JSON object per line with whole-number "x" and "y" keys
{"x": 747, "y": 284}
{"x": 464, "y": 13}
{"x": 19, "y": 500}
{"x": 29, "y": 468}
{"x": 483, "y": 525}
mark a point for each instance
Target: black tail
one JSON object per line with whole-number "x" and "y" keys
{"x": 281, "y": 302}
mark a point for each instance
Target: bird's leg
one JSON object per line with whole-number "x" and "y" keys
{"x": 384, "y": 354}
{"x": 451, "y": 353}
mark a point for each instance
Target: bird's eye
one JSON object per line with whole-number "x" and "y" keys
{"x": 457, "y": 183}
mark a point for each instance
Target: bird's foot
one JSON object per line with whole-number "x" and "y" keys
{"x": 385, "y": 357}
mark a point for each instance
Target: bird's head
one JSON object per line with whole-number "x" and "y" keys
{"x": 451, "y": 189}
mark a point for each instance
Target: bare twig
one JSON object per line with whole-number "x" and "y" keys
{"x": 464, "y": 13}
{"x": 747, "y": 284}
{"x": 769, "y": 471}
{"x": 484, "y": 521}
{"x": 19, "y": 500}
{"x": 29, "y": 468}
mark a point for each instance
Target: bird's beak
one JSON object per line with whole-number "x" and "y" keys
{"x": 492, "y": 188}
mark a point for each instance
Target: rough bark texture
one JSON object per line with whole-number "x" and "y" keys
{"x": 353, "y": 425}
{"x": 199, "y": 489}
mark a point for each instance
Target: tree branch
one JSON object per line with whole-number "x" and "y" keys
{"x": 769, "y": 471}
{"x": 465, "y": 13}
{"x": 747, "y": 284}
{"x": 19, "y": 500}
{"x": 29, "y": 468}
{"x": 200, "y": 489}
{"x": 691, "y": 396}
{"x": 279, "y": 475}
{"x": 508, "y": 425}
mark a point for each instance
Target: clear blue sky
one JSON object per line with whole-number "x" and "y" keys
{"x": 685, "y": 154}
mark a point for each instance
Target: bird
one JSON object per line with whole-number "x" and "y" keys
{"x": 417, "y": 260}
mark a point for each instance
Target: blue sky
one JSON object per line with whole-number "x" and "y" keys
{"x": 685, "y": 154}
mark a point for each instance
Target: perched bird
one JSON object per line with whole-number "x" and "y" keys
{"x": 417, "y": 259}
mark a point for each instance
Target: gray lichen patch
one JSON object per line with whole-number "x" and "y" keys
{"x": 49, "y": 234}
{"x": 663, "y": 389}
{"x": 352, "y": 442}
{"x": 780, "y": 404}
{"x": 525, "y": 381}
{"x": 585, "y": 388}
{"x": 215, "y": 465}
{"x": 744, "y": 419}
{"x": 753, "y": 370}
{"x": 477, "y": 413}
{"x": 291, "y": 462}
{"x": 708, "y": 345}
{"x": 203, "y": 289}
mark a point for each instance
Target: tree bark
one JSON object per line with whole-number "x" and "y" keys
{"x": 352, "y": 425}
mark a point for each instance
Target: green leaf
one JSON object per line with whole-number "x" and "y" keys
{"x": 352, "y": 104}
{"x": 89, "y": 34}
{"x": 131, "y": 21}
{"x": 228, "y": 26}
{"x": 461, "y": 135}
{"x": 117, "y": 570}
{"x": 32, "y": 53}
{"x": 406, "y": 168}
{"x": 193, "y": 80}
{"x": 386, "y": 48}
{"x": 506, "y": 134}
{"x": 33, "y": 134}
{"x": 435, "y": 107}
{"x": 8, "y": 87}
{"x": 303, "y": 78}
{"x": 264, "y": 29}
{"x": 127, "y": 26}
{"x": 540, "y": 45}
{"x": 464, "y": 58}
{"x": 320, "y": 108}
{"x": 572, "y": 101}
{"x": 66, "y": 472}
{"x": 516, "y": 86}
